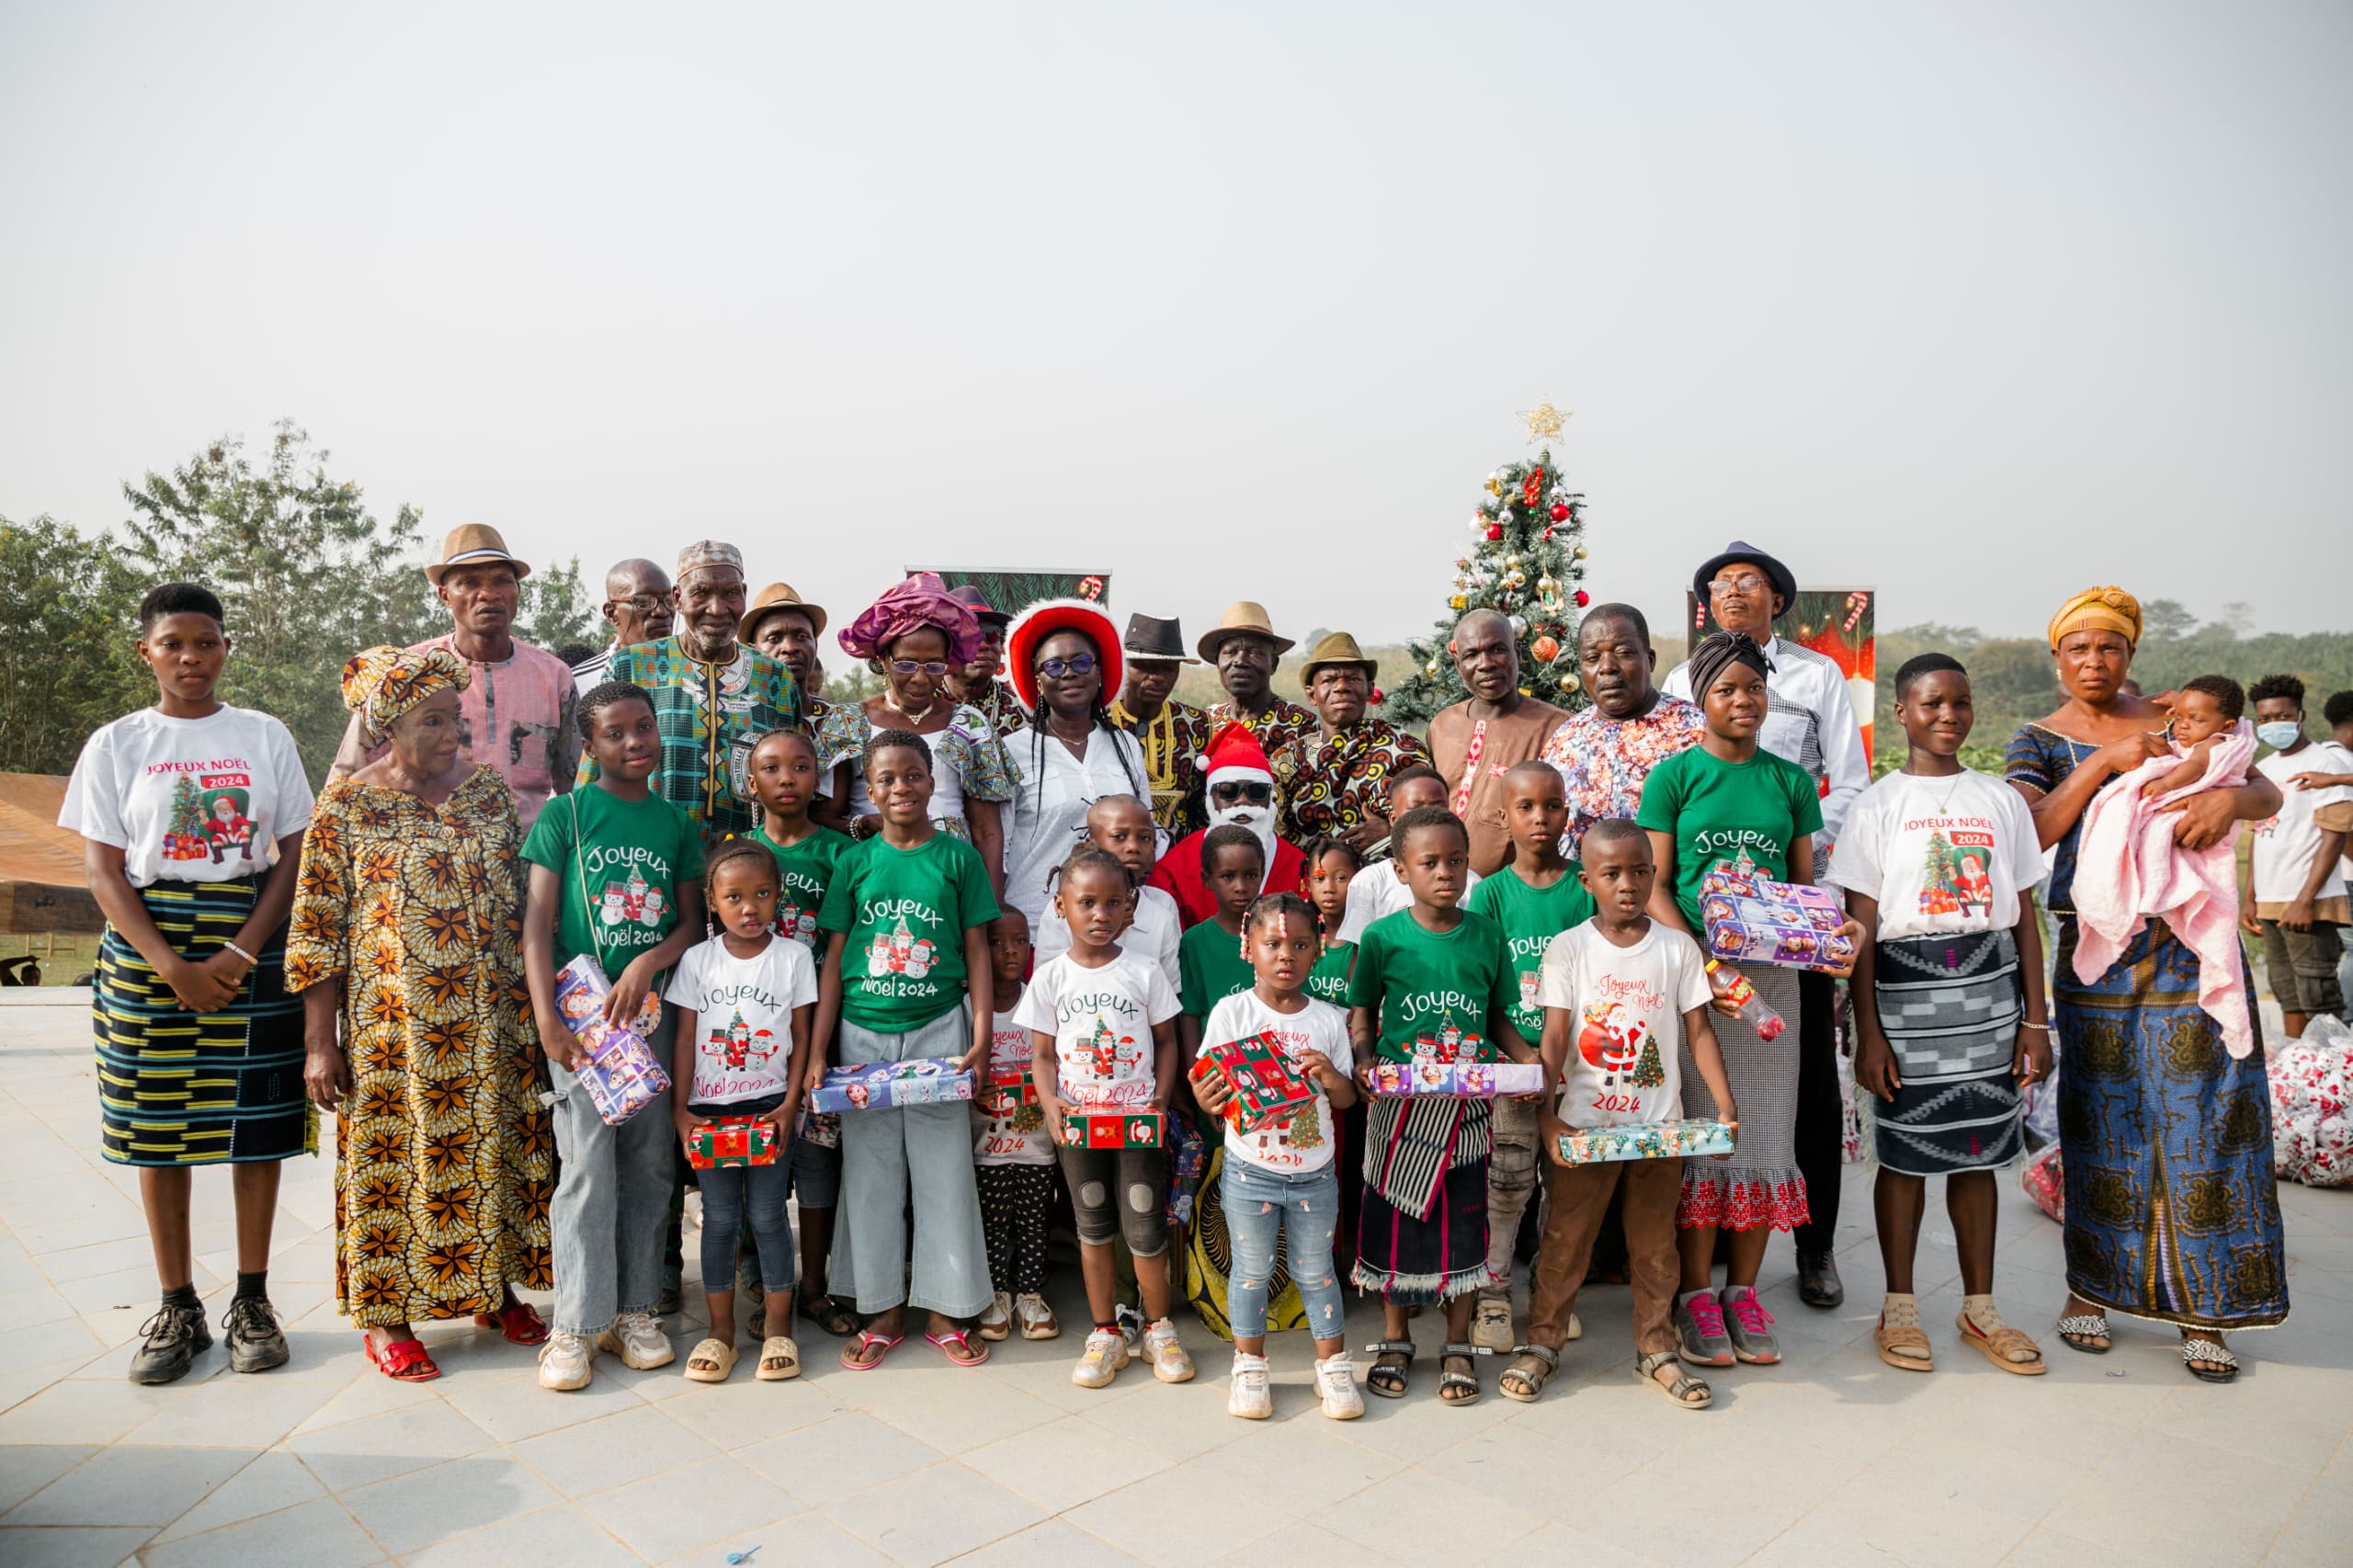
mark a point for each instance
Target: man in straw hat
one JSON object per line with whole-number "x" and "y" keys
{"x": 1243, "y": 647}
{"x": 515, "y": 711}
{"x": 784, "y": 627}
{"x": 1339, "y": 781}
{"x": 1172, "y": 733}
{"x": 637, "y": 606}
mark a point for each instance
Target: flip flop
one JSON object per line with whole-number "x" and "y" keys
{"x": 714, "y": 1350}
{"x": 962, "y": 1339}
{"x": 402, "y": 1360}
{"x": 518, "y": 1322}
{"x": 855, "y": 1349}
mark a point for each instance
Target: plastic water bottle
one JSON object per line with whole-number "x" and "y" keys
{"x": 1733, "y": 987}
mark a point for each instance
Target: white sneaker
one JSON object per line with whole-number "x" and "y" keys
{"x": 1169, "y": 1362}
{"x": 1107, "y": 1352}
{"x": 997, "y": 1322}
{"x": 1250, "y": 1398}
{"x": 1336, "y": 1380}
{"x": 565, "y": 1362}
{"x": 1036, "y": 1319}
{"x": 1491, "y": 1328}
{"x": 639, "y": 1341}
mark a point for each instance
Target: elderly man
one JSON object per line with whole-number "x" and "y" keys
{"x": 637, "y": 606}
{"x": 1483, "y": 737}
{"x": 784, "y": 627}
{"x": 980, "y": 684}
{"x": 1244, "y": 649}
{"x": 1171, "y": 734}
{"x": 712, "y": 696}
{"x": 1809, "y": 719}
{"x": 515, "y": 714}
{"x": 1605, "y": 751}
{"x": 1339, "y": 783}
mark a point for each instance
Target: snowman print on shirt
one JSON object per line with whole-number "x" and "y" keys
{"x": 635, "y": 901}
{"x": 899, "y": 951}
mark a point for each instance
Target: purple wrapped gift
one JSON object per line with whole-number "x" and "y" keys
{"x": 621, "y": 1075}
{"x": 886, "y": 1086}
{"x": 1750, "y": 918}
{"x": 1461, "y": 1080}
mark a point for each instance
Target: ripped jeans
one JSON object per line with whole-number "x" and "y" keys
{"x": 1302, "y": 1211}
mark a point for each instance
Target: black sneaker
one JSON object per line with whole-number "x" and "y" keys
{"x": 256, "y": 1342}
{"x": 175, "y": 1335}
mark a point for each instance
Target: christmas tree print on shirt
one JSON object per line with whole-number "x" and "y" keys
{"x": 739, "y": 1046}
{"x": 209, "y": 819}
{"x": 1608, "y": 1041}
{"x": 1954, "y": 879}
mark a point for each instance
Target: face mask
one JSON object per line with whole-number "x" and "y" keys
{"x": 2278, "y": 736}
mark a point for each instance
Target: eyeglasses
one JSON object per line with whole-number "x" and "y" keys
{"x": 1257, "y": 794}
{"x": 909, "y": 666}
{"x": 643, "y": 603}
{"x": 1746, "y": 583}
{"x": 1058, "y": 669}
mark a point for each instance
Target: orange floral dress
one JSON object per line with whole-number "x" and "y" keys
{"x": 444, "y": 1155}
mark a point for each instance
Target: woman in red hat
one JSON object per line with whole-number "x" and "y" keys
{"x": 1064, "y": 654}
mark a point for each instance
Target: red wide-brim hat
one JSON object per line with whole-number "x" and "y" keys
{"x": 1041, "y": 621}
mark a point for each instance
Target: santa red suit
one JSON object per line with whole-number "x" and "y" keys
{"x": 1233, "y": 755}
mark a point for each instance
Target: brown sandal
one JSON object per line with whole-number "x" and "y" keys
{"x": 711, "y": 1361}
{"x": 2000, "y": 1345}
{"x": 780, "y": 1360}
{"x": 1903, "y": 1334}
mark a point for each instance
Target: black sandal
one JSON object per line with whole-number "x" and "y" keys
{"x": 1531, "y": 1379}
{"x": 1389, "y": 1381}
{"x": 1448, "y": 1379}
{"x": 826, "y": 1314}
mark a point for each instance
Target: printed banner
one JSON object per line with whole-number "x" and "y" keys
{"x": 1014, "y": 591}
{"x": 1840, "y": 624}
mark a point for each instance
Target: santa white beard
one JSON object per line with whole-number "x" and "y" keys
{"x": 1259, "y": 821}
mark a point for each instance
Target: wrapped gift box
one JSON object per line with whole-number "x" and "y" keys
{"x": 1084, "y": 1129}
{"x": 1753, "y": 919}
{"x": 621, "y": 1075}
{"x": 887, "y": 1085}
{"x": 1461, "y": 1080}
{"x": 1646, "y": 1141}
{"x": 1267, "y": 1087}
{"x": 732, "y": 1141}
{"x": 1007, "y": 1090}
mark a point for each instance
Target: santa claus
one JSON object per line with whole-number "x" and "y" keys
{"x": 1240, "y": 794}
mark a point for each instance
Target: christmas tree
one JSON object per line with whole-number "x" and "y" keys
{"x": 1649, "y": 1070}
{"x": 1527, "y": 562}
{"x": 188, "y": 819}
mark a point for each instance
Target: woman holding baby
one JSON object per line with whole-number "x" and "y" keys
{"x": 2165, "y": 1135}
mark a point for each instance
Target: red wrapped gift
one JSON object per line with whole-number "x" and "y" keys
{"x": 1007, "y": 1090}
{"x": 732, "y": 1141}
{"x": 1267, "y": 1087}
{"x": 1111, "y": 1128}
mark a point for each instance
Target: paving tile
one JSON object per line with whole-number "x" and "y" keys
{"x": 960, "y": 1414}
{"x": 380, "y": 1447}
{"x": 743, "y": 1409}
{"x": 2177, "y": 1501}
{"x": 131, "y": 1486}
{"x": 254, "y": 1410}
{"x": 1445, "y": 1521}
{"x": 273, "y": 1481}
{"x": 1300, "y": 1466}
{"x": 682, "y": 1509}
{"x": 823, "y": 1463}
{"x": 799, "y": 1538}
{"x": 35, "y": 1303}
{"x": 69, "y": 1548}
{"x": 960, "y": 1512}
{"x": 1916, "y": 1520}
{"x": 26, "y": 1468}
{"x": 552, "y": 1537}
{"x": 426, "y": 1506}
{"x": 87, "y": 1412}
{"x": 1060, "y": 1464}
{"x": 1650, "y": 1512}
{"x": 510, "y": 1410}
{"x": 1303, "y": 1542}
{"x": 1060, "y": 1544}
{"x": 1145, "y": 1520}
{"x": 317, "y": 1535}
{"x": 613, "y": 1450}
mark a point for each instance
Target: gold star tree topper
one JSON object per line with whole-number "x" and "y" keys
{"x": 1543, "y": 422}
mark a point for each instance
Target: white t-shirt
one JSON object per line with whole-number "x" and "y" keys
{"x": 2284, "y": 845}
{"x": 188, "y": 800}
{"x": 1101, "y": 1020}
{"x": 1303, "y": 1143}
{"x": 1377, "y": 891}
{"x": 1941, "y": 856}
{"x": 1017, "y": 1135}
{"x": 1625, "y": 1007}
{"x": 1046, "y": 818}
{"x": 1155, "y": 932}
{"x": 743, "y": 1016}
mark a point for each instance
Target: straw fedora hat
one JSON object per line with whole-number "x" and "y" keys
{"x": 468, "y": 543}
{"x": 1243, "y": 616}
{"x": 780, "y": 595}
{"x": 1336, "y": 648}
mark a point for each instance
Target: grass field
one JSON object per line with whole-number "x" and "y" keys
{"x": 62, "y": 959}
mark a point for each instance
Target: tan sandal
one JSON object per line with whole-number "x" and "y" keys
{"x": 780, "y": 1359}
{"x": 2000, "y": 1345}
{"x": 1907, "y": 1335}
{"x": 1684, "y": 1386}
{"x": 711, "y": 1361}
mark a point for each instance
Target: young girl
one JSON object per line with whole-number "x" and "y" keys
{"x": 1210, "y": 955}
{"x": 1432, "y": 981}
{"x": 1331, "y": 864}
{"x": 1281, "y": 1184}
{"x": 785, "y": 777}
{"x": 612, "y": 1198}
{"x": 745, "y": 1000}
{"x": 907, "y": 974}
{"x": 1012, "y": 1153}
{"x": 1103, "y": 1038}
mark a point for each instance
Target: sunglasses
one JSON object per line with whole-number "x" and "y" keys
{"x": 1748, "y": 583}
{"x": 909, "y": 666}
{"x": 1058, "y": 669}
{"x": 1257, "y": 794}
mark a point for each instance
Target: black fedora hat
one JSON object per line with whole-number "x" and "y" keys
{"x": 977, "y": 602}
{"x": 1149, "y": 637}
{"x": 1784, "y": 581}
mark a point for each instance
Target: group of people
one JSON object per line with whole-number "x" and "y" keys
{"x": 1022, "y": 857}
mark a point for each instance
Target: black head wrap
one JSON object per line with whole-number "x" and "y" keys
{"x": 1717, "y": 652}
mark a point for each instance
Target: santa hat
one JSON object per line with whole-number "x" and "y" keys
{"x": 1235, "y": 753}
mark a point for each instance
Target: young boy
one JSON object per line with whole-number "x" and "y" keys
{"x": 1535, "y": 897}
{"x": 613, "y": 1196}
{"x": 1431, "y": 982}
{"x": 1121, "y": 825}
{"x": 1380, "y": 888}
{"x": 1013, "y": 1156}
{"x": 1617, "y": 991}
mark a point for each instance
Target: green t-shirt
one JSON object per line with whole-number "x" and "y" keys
{"x": 620, "y": 890}
{"x": 1329, "y": 981}
{"x": 1531, "y": 917}
{"x": 1209, "y": 969}
{"x": 1712, "y": 810}
{"x": 806, "y": 869}
{"x": 1431, "y": 989}
{"x": 905, "y": 912}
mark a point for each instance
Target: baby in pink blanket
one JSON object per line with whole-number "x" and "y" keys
{"x": 2129, "y": 870}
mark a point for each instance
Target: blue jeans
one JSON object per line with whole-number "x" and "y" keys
{"x": 606, "y": 1219}
{"x": 1262, "y": 1205}
{"x": 730, "y": 1195}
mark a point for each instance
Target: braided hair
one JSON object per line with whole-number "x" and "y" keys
{"x": 1276, "y": 906}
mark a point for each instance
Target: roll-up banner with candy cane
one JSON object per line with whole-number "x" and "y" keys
{"x": 1013, "y": 591}
{"x": 1840, "y": 624}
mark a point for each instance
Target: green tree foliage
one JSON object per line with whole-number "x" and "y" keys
{"x": 556, "y": 609}
{"x": 66, "y": 665}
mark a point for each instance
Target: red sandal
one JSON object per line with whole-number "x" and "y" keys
{"x": 962, "y": 1339}
{"x": 402, "y": 1360}
{"x": 519, "y": 1321}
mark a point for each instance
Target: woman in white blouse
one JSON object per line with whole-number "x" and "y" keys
{"x": 1062, "y": 654}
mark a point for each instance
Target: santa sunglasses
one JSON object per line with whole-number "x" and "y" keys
{"x": 1227, "y": 793}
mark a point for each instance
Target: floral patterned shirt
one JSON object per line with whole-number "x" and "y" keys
{"x": 1605, "y": 760}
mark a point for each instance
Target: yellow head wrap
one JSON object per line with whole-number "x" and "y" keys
{"x": 382, "y": 683}
{"x": 2103, "y": 608}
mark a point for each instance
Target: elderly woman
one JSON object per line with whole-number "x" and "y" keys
{"x": 2165, "y": 1139}
{"x": 406, "y": 944}
{"x": 1064, "y": 655}
{"x": 912, "y": 637}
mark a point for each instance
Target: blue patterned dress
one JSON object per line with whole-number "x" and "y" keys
{"x": 2172, "y": 1213}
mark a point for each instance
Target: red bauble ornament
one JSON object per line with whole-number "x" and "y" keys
{"x": 1495, "y": 533}
{"x": 1546, "y": 650}
{"x": 1583, "y": 598}
{"x": 1379, "y": 697}
{"x": 1560, "y": 512}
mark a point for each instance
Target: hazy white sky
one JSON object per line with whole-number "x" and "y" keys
{"x": 1978, "y": 304}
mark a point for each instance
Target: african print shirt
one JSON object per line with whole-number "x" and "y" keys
{"x": 710, "y": 716}
{"x": 1002, "y": 709}
{"x": 1173, "y": 742}
{"x": 1283, "y": 725}
{"x": 1605, "y": 760}
{"x": 1335, "y": 783}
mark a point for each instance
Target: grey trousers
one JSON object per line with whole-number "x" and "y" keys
{"x": 924, "y": 1150}
{"x": 611, "y": 1202}
{"x": 1512, "y": 1169}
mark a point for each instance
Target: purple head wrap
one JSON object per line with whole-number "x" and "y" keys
{"x": 911, "y": 604}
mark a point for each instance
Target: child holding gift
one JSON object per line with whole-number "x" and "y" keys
{"x": 785, "y": 777}
{"x": 1280, "y": 1182}
{"x": 744, "y": 1003}
{"x": 1427, "y": 974}
{"x": 612, "y": 1198}
{"x": 1103, "y": 1040}
{"x": 1534, "y": 897}
{"x": 907, "y": 975}
{"x": 1121, "y": 825}
{"x": 1625, "y": 1003}
{"x": 1012, "y": 1152}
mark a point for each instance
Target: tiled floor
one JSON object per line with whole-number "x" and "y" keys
{"x": 1829, "y": 1459}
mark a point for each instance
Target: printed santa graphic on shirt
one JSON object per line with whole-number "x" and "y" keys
{"x": 738, "y": 1045}
{"x": 1955, "y": 878}
{"x": 635, "y": 901}
{"x": 208, "y": 818}
{"x": 899, "y": 951}
{"x": 1618, "y": 1067}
